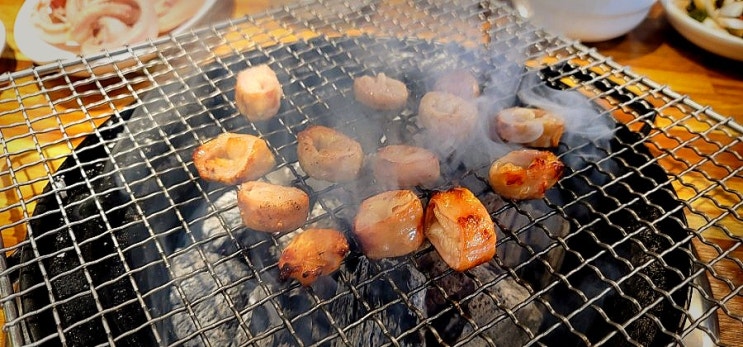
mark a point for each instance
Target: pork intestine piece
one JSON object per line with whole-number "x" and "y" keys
{"x": 402, "y": 166}
{"x": 460, "y": 228}
{"x": 447, "y": 116}
{"x": 525, "y": 174}
{"x": 390, "y": 224}
{"x": 311, "y": 254}
{"x": 329, "y": 155}
{"x": 232, "y": 158}
{"x": 380, "y": 92}
{"x": 531, "y": 127}
{"x": 258, "y": 93}
{"x": 272, "y": 208}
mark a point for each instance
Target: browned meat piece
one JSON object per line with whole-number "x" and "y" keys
{"x": 390, "y": 224}
{"x": 272, "y": 208}
{"x": 233, "y": 158}
{"x": 460, "y": 228}
{"x": 258, "y": 93}
{"x": 311, "y": 254}
{"x": 401, "y": 166}
{"x": 525, "y": 174}
{"x": 380, "y": 92}
{"x": 329, "y": 155}
{"x": 532, "y": 127}
{"x": 458, "y": 82}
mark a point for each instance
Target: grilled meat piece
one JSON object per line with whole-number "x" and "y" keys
{"x": 329, "y": 155}
{"x": 402, "y": 166}
{"x": 460, "y": 228}
{"x": 380, "y": 92}
{"x": 531, "y": 127}
{"x": 525, "y": 174}
{"x": 390, "y": 224}
{"x": 311, "y": 254}
{"x": 258, "y": 93}
{"x": 447, "y": 116}
{"x": 272, "y": 208}
{"x": 233, "y": 158}
{"x": 458, "y": 82}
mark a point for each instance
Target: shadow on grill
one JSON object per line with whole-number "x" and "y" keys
{"x": 138, "y": 250}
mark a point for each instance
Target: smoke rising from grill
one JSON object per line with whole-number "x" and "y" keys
{"x": 583, "y": 122}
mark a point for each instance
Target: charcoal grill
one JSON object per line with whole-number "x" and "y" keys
{"x": 127, "y": 246}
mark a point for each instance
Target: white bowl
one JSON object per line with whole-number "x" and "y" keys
{"x": 717, "y": 42}
{"x": 586, "y": 20}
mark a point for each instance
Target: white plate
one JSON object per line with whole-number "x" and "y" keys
{"x": 29, "y": 41}
{"x": 711, "y": 40}
{"x": 2, "y": 37}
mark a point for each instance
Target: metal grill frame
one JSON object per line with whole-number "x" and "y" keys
{"x": 176, "y": 58}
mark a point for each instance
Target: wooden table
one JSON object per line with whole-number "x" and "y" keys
{"x": 656, "y": 50}
{"x": 653, "y": 49}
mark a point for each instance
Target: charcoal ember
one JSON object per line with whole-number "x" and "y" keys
{"x": 505, "y": 294}
{"x": 363, "y": 322}
{"x": 269, "y": 321}
{"x": 605, "y": 281}
{"x": 594, "y": 283}
{"x": 207, "y": 300}
{"x": 221, "y": 228}
{"x": 471, "y": 307}
{"x": 232, "y": 287}
{"x": 372, "y": 285}
{"x": 524, "y": 229}
{"x": 643, "y": 329}
{"x": 262, "y": 318}
{"x": 297, "y": 318}
{"x": 216, "y": 291}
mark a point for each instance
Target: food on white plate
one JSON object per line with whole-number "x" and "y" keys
{"x": 50, "y": 16}
{"x": 532, "y": 127}
{"x": 458, "y": 82}
{"x": 447, "y": 115}
{"x": 172, "y": 13}
{"x": 460, "y": 228}
{"x": 380, "y": 92}
{"x": 403, "y": 166}
{"x": 311, "y": 254}
{"x": 390, "y": 224}
{"x": 724, "y": 16}
{"x": 258, "y": 93}
{"x": 233, "y": 158}
{"x": 329, "y": 155}
{"x": 272, "y": 208}
{"x": 99, "y": 25}
{"x": 89, "y": 26}
{"x": 525, "y": 174}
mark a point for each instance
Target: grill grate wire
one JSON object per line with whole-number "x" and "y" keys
{"x": 59, "y": 106}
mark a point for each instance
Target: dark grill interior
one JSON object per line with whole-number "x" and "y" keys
{"x": 127, "y": 246}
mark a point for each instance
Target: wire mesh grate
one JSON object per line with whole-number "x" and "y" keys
{"x": 111, "y": 238}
